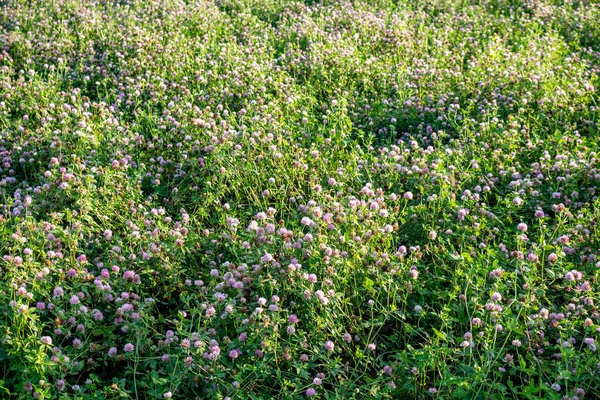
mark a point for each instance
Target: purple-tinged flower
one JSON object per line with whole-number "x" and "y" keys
{"x": 329, "y": 346}
{"x": 266, "y": 258}
{"x": 307, "y": 221}
{"x": 569, "y": 276}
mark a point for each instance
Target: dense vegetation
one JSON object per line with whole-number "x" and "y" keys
{"x": 255, "y": 199}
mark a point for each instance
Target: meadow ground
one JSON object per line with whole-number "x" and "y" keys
{"x": 256, "y": 199}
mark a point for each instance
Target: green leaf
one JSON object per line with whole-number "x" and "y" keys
{"x": 3, "y": 355}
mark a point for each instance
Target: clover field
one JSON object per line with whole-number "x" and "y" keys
{"x": 258, "y": 199}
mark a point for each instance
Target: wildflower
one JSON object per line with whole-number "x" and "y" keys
{"x": 413, "y": 273}
{"x": 591, "y": 343}
{"x": 539, "y": 214}
{"x": 569, "y": 276}
{"x": 266, "y": 258}
{"x": 307, "y": 221}
{"x": 329, "y": 346}
{"x": 128, "y": 347}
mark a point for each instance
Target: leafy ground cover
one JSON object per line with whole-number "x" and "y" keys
{"x": 255, "y": 199}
